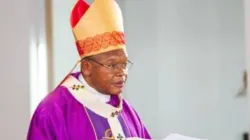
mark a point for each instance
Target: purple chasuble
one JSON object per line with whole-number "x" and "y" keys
{"x": 60, "y": 116}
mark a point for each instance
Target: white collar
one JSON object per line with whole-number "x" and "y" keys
{"x": 89, "y": 100}
{"x": 100, "y": 96}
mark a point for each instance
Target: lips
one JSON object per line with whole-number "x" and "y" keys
{"x": 119, "y": 84}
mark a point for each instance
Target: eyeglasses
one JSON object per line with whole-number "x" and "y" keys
{"x": 117, "y": 66}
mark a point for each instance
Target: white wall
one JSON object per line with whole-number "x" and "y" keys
{"x": 189, "y": 58}
{"x": 14, "y": 59}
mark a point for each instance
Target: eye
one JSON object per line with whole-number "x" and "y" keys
{"x": 112, "y": 65}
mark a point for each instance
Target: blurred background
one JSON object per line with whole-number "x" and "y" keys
{"x": 189, "y": 55}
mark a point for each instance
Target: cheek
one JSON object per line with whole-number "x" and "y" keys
{"x": 103, "y": 78}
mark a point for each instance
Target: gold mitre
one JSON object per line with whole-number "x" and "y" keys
{"x": 98, "y": 27}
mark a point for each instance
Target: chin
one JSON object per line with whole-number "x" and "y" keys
{"x": 116, "y": 92}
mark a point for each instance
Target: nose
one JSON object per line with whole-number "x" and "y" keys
{"x": 120, "y": 71}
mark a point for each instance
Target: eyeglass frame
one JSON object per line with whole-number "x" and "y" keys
{"x": 112, "y": 67}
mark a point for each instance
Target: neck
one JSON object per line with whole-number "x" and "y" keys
{"x": 87, "y": 84}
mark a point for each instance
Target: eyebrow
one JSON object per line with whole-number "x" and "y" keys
{"x": 116, "y": 59}
{"x": 111, "y": 60}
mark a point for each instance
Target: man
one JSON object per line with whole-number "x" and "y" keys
{"x": 88, "y": 105}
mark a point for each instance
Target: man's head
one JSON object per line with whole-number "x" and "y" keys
{"x": 100, "y": 41}
{"x": 106, "y": 72}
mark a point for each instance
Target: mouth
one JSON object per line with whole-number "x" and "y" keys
{"x": 119, "y": 84}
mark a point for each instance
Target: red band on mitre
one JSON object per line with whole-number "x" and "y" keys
{"x": 78, "y": 11}
{"x": 101, "y": 41}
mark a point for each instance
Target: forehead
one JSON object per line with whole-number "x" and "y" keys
{"x": 120, "y": 53}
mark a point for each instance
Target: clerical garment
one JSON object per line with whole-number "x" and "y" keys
{"x": 71, "y": 112}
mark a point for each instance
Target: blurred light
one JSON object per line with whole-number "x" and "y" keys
{"x": 39, "y": 75}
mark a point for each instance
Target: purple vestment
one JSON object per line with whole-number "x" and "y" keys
{"x": 61, "y": 117}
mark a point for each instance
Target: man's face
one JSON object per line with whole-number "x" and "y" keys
{"x": 108, "y": 72}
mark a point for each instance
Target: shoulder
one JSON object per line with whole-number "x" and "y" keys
{"x": 48, "y": 117}
{"x": 54, "y": 102}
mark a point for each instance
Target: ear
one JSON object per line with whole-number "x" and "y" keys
{"x": 86, "y": 68}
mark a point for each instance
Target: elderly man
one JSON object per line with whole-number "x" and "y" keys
{"x": 88, "y": 105}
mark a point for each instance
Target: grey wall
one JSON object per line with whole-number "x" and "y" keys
{"x": 247, "y": 37}
{"x": 141, "y": 23}
{"x": 64, "y": 50}
{"x": 189, "y": 61}
{"x": 14, "y": 59}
